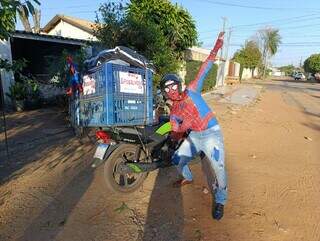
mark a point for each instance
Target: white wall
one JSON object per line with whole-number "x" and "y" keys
{"x": 7, "y": 78}
{"x": 247, "y": 73}
{"x": 196, "y": 53}
{"x": 278, "y": 73}
{"x": 67, "y": 30}
{"x": 236, "y": 69}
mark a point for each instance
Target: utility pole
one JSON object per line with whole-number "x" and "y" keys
{"x": 227, "y": 45}
{"x": 223, "y": 30}
{"x": 220, "y": 75}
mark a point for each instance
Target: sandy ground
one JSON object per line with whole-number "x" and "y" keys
{"x": 273, "y": 162}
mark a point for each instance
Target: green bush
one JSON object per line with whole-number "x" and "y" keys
{"x": 193, "y": 67}
{"x": 312, "y": 64}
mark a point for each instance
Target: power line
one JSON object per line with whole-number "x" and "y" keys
{"x": 285, "y": 36}
{"x": 288, "y": 44}
{"x": 297, "y": 19}
{"x": 281, "y": 28}
{"x": 304, "y": 42}
{"x": 74, "y": 12}
{"x": 303, "y": 17}
{"x": 71, "y": 6}
{"x": 302, "y": 26}
{"x": 257, "y": 7}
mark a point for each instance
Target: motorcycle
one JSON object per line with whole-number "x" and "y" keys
{"x": 130, "y": 153}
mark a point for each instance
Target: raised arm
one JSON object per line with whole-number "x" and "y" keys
{"x": 197, "y": 83}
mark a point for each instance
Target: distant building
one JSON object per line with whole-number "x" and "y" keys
{"x": 276, "y": 72}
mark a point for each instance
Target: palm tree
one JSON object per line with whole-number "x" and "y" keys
{"x": 24, "y": 10}
{"x": 24, "y": 17}
{"x": 270, "y": 40}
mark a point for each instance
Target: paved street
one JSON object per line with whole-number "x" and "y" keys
{"x": 272, "y": 136}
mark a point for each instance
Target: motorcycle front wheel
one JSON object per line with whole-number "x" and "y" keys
{"x": 117, "y": 181}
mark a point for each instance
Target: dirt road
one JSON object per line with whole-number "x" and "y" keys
{"x": 273, "y": 162}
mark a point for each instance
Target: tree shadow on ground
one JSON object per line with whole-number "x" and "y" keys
{"x": 31, "y": 136}
{"x": 315, "y": 96}
{"x": 317, "y": 115}
{"x": 50, "y": 222}
{"x": 165, "y": 218}
{"x": 283, "y": 86}
{"x": 313, "y": 126}
{"x": 292, "y": 80}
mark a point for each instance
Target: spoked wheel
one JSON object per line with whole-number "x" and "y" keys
{"x": 115, "y": 179}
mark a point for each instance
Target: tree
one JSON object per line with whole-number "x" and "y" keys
{"x": 174, "y": 21}
{"x": 24, "y": 18}
{"x": 155, "y": 34}
{"x": 312, "y": 64}
{"x": 192, "y": 68}
{"x": 8, "y": 10}
{"x": 288, "y": 69}
{"x": 249, "y": 56}
{"x": 110, "y": 24}
{"x": 269, "y": 40}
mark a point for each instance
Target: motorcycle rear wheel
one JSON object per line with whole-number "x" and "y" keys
{"x": 122, "y": 183}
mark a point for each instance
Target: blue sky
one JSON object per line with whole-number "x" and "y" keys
{"x": 298, "y": 21}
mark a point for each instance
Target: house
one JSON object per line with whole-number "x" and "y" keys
{"x": 59, "y": 34}
{"x": 34, "y": 48}
{"x": 70, "y": 27}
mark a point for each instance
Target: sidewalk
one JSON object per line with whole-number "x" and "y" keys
{"x": 240, "y": 94}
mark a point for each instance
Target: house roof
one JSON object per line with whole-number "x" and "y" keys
{"x": 48, "y": 38}
{"x": 83, "y": 24}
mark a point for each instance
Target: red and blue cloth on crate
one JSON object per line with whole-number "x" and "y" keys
{"x": 73, "y": 78}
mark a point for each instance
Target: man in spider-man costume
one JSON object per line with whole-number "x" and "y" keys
{"x": 190, "y": 114}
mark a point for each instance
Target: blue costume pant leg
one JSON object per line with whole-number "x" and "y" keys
{"x": 213, "y": 147}
{"x": 183, "y": 156}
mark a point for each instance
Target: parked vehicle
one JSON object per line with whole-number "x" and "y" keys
{"x": 129, "y": 153}
{"x": 299, "y": 76}
{"x": 118, "y": 100}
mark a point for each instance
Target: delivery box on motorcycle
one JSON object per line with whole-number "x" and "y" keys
{"x": 117, "y": 90}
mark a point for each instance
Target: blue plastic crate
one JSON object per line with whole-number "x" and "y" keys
{"x": 117, "y": 95}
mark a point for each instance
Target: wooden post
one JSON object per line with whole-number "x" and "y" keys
{"x": 4, "y": 117}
